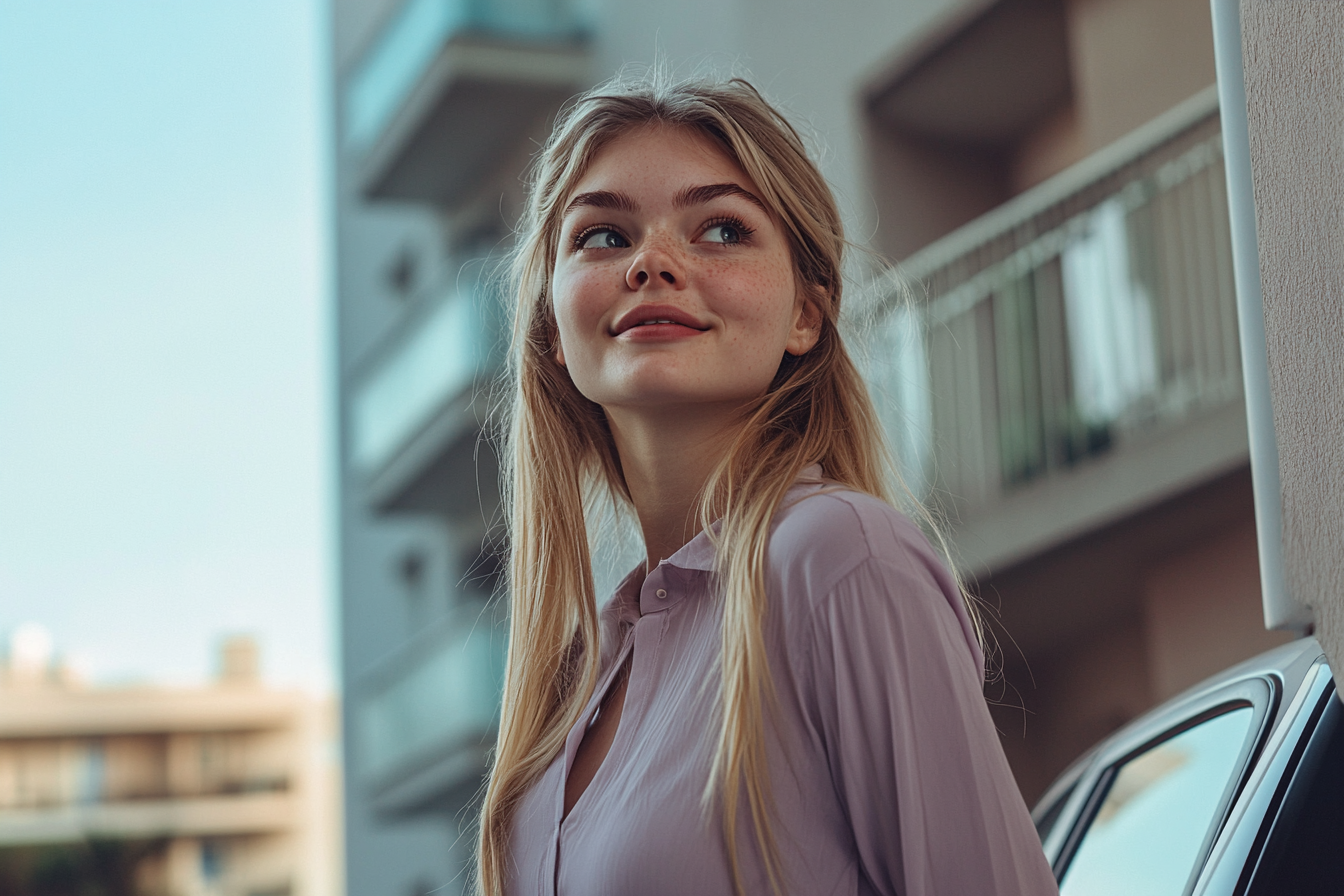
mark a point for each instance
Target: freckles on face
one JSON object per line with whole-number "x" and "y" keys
{"x": 673, "y": 284}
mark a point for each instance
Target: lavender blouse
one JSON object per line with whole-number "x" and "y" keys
{"x": 886, "y": 772}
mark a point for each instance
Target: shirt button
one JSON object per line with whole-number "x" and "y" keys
{"x": 662, "y": 593}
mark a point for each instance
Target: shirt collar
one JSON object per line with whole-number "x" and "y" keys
{"x": 697, "y": 555}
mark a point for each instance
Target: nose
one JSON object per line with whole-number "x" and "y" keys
{"x": 654, "y": 264}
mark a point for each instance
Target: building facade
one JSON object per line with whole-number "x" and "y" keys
{"x": 1054, "y": 354}
{"x": 226, "y": 790}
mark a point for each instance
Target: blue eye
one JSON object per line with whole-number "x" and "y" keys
{"x": 726, "y": 232}
{"x": 603, "y": 238}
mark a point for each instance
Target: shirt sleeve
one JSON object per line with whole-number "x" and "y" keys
{"x": 914, "y": 756}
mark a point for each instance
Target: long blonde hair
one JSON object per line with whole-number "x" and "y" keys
{"x": 560, "y": 453}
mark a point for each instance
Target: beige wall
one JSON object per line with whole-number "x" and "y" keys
{"x": 243, "y": 768}
{"x": 1134, "y": 59}
{"x": 1057, "y": 705}
{"x": 1130, "y": 61}
{"x": 1293, "y": 52}
{"x": 1202, "y": 611}
{"x": 1117, "y": 621}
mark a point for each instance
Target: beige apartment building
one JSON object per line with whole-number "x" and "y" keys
{"x": 1055, "y": 354}
{"x": 224, "y": 790}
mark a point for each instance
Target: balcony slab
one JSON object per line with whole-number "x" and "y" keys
{"x": 477, "y": 96}
{"x": 1134, "y": 475}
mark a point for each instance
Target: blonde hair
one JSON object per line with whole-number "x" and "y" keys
{"x": 560, "y": 454}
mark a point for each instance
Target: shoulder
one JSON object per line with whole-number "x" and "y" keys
{"x": 839, "y": 557}
{"x": 824, "y": 532}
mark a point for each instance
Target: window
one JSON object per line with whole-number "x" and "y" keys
{"x": 1302, "y": 856}
{"x": 1160, "y": 809}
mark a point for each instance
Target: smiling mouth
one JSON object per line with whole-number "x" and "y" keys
{"x": 655, "y": 316}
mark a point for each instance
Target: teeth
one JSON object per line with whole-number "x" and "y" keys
{"x": 645, "y": 323}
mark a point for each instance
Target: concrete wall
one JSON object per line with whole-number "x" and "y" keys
{"x": 1293, "y": 52}
{"x": 1201, "y": 610}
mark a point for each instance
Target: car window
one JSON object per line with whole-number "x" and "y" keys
{"x": 1158, "y": 811}
{"x": 1303, "y": 855}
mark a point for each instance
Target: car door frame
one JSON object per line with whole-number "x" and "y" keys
{"x": 1228, "y": 869}
{"x": 1260, "y": 691}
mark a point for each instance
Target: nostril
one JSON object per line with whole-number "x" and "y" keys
{"x": 642, "y": 277}
{"x": 668, "y": 277}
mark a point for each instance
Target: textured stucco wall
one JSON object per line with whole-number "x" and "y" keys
{"x": 1294, "y": 59}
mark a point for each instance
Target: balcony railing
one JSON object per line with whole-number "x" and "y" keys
{"x": 437, "y": 702}
{"x": 1089, "y": 313}
{"x": 418, "y": 375}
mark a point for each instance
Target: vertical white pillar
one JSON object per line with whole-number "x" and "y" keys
{"x": 1291, "y": 59}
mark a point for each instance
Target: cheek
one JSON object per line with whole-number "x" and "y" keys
{"x": 571, "y": 310}
{"x": 764, "y": 299}
{"x": 578, "y": 313}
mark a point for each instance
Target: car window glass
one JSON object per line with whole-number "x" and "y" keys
{"x": 1147, "y": 834}
{"x": 1303, "y": 856}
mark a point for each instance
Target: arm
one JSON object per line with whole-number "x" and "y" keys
{"x": 913, "y": 754}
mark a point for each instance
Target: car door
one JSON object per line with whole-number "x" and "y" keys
{"x": 1144, "y": 813}
{"x": 1285, "y": 836}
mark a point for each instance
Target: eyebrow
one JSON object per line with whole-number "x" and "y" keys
{"x": 603, "y": 199}
{"x": 700, "y": 195}
{"x": 690, "y": 196}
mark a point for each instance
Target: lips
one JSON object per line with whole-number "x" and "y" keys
{"x": 646, "y": 315}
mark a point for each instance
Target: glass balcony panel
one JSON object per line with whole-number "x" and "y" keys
{"x": 396, "y": 62}
{"x": 446, "y": 698}
{"x": 412, "y": 39}
{"x": 439, "y": 358}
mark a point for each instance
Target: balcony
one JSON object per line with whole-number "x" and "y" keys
{"x": 1071, "y": 356}
{"x": 245, "y": 814}
{"x": 425, "y": 721}
{"x": 418, "y": 401}
{"x": 449, "y": 86}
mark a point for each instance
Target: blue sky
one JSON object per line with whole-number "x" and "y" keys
{"x": 164, "y": 456}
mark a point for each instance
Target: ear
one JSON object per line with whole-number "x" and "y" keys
{"x": 559, "y": 351}
{"x": 807, "y": 318}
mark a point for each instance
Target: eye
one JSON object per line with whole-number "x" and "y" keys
{"x": 601, "y": 238}
{"x": 727, "y": 232}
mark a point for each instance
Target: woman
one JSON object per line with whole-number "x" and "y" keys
{"x": 786, "y": 696}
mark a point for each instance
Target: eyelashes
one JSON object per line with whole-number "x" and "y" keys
{"x": 728, "y": 222}
{"x": 730, "y": 230}
{"x": 583, "y": 237}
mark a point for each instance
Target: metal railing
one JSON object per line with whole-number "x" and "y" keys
{"x": 1088, "y": 312}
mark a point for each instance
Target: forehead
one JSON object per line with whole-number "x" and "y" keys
{"x": 657, "y": 155}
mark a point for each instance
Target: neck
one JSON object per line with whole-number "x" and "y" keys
{"x": 667, "y": 458}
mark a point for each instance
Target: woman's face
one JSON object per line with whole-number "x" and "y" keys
{"x": 673, "y": 286}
